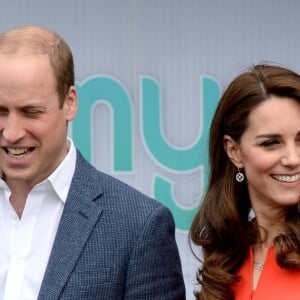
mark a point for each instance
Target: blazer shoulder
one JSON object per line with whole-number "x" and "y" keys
{"x": 114, "y": 192}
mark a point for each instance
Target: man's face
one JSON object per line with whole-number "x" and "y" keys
{"x": 33, "y": 127}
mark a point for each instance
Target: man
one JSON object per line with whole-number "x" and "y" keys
{"x": 67, "y": 230}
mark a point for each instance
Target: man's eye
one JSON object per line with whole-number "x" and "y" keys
{"x": 33, "y": 113}
{"x": 3, "y": 112}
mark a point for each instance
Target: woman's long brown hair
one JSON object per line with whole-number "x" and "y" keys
{"x": 222, "y": 227}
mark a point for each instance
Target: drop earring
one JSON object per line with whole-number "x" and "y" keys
{"x": 239, "y": 177}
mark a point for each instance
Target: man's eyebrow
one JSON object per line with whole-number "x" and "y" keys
{"x": 32, "y": 106}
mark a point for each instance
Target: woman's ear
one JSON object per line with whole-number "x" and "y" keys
{"x": 232, "y": 148}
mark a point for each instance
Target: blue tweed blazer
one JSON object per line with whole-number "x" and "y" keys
{"x": 112, "y": 243}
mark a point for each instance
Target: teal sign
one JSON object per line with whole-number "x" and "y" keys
{"x": 180, "y": 161}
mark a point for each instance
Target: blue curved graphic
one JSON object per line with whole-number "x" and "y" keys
{"x": 163, "y": 192}
{"x": 108, "y": 90}
{"x": 170, "y": 156}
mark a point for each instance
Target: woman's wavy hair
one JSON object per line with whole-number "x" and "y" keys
{"x": 222, "y": 226}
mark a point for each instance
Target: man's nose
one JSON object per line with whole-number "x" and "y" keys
{"x": 12, "y": 129}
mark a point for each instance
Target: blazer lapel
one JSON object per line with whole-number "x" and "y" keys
{"x": 80, "y": 214}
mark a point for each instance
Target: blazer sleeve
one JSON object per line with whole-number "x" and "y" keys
{"x": 154, "y": 270}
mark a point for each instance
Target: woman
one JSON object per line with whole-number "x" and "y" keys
{"x": 249, "y": 222}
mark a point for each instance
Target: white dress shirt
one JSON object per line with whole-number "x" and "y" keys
{"x": 26, "y": 243}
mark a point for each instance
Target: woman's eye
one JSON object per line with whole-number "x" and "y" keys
{"x": 269, "y": 143}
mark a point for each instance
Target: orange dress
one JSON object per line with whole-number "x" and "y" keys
{"x": 274, "y": 283}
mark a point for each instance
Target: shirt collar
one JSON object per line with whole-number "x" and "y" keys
{"x": 61, "y": 178}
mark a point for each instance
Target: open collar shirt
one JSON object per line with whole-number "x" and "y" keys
{"x": 26, "y": 243}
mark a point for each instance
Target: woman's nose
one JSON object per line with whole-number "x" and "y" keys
{"x": 291, "y": 156}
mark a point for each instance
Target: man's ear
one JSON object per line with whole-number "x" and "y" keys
{"x": 232, "y": 148}
{"x": 71, "y": 104}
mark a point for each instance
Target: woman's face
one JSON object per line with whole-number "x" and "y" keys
{"x": 269, "y": 153}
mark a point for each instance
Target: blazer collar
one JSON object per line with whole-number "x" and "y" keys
{"x": 79, "y": 217}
